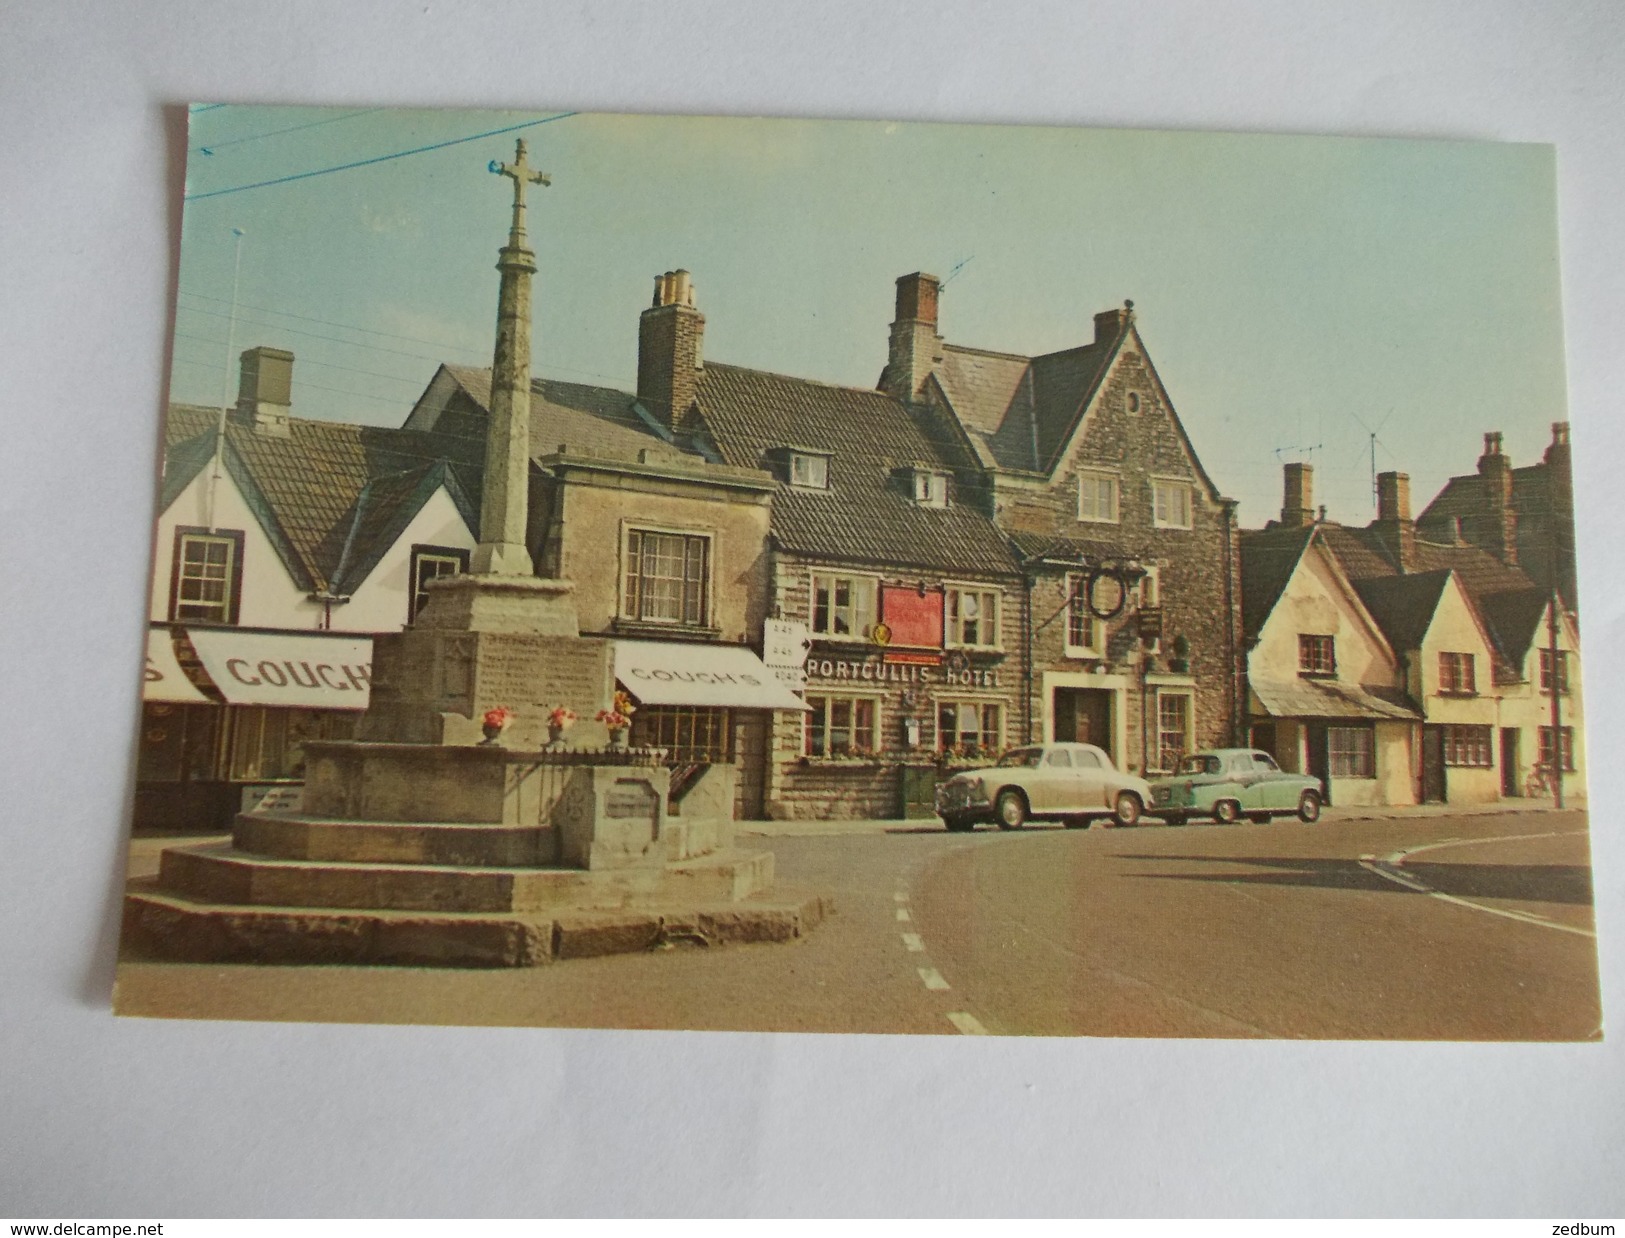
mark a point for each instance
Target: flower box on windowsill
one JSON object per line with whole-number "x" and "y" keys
{"x": 850, "y": 762}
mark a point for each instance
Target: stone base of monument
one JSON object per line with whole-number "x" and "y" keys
{"x": 473, "y": 856}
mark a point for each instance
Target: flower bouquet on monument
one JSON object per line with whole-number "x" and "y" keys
{"x": 495, "y": 722}
{"x": 559, "y": 720}
{"x": 618, "y": 717}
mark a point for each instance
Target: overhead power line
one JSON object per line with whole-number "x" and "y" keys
{"x": 362, "y": 163}
{"x": 326, "y": 322}
{"x": 275, "y": 133}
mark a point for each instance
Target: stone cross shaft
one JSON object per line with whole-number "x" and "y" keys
{"x": 504, "y": 503}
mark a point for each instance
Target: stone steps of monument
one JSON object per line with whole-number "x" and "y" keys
{"x": 174, "y": 926}
{"x": 223, "y": 874}
{"x": 300, "y": 837}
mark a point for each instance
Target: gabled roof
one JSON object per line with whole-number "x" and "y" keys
{"x": 1403, "y": 606}
{"x": 865, "y": 516}
{"x": 1513, "y": 620}
{"x": 1268, "y": 559}
{"x": 1022, "y": 409}
{"x": 306, "y": 489}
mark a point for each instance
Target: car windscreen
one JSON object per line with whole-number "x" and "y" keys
{"x": 1027, "y": 757}
{"x": 1199, "y": 765}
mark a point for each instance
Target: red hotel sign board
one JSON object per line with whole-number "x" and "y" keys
{"x": 915, "y": 620}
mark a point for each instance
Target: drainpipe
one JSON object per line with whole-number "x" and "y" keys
{"x": 1027, "y": 658}
{"x": 1235, "y": 691}
{"x": 1557, "y": 698}
{"x": 225, "y": 387}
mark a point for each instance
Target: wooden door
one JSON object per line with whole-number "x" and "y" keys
{"x": 1433, "y": 781}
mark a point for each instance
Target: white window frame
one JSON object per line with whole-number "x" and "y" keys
{"x": 417, "y": 599}
{"x": 230, "y": 582}
{"x": 1077, "y": 603}
{"x": 824, "y": 711}
{"x": 1091, "y": 513}
{"x": 1367, "y": 751}
{"x": 1169, "y": 487}
{"x": 1458, "y": 673}
{"x": 865, "y": 608}
{"x": 980, "y": 704}
{"x": 707, "y": 579}
{"x": 1188, "y": 739}
{"x": 930, "y": 489}
{"x": 954, "y": 618}
{"x": 809, "y": 470}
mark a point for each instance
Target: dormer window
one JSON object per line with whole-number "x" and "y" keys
{"x": 930, "y": 489}
{"x": 809, "y": 471}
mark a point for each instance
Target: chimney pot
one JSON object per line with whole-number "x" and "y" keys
{"x": 915, "y": 347}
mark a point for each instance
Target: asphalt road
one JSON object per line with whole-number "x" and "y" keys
{"x": 1423, "y": 928}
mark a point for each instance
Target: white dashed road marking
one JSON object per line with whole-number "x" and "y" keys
{"x": 968, "y": 1024}
{"x": 932, "y": 978}
{"x": 912, "y": 943}
{"x": 902, "y": 915}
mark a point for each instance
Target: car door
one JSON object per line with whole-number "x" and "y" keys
{"x": 1052, "y": 789}
{"x": 1275, "y": 789}
{"x": 1248, "y": 784}
{"x": 1089, "y": 779}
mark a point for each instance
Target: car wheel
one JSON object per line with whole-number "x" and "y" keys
{"x": 1126, "y": 811}
{"x": 1309, "y": 807}
{"x": 1227, "y": 812}
{"x": 1011, "y": 810}
{"x": 959, "y": 824}
{"x": 1174, "y": 818}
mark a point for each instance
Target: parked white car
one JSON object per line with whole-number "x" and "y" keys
{"x": 1074, "y": 783}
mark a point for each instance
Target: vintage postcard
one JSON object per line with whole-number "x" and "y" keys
{"x": 658, "y": 572}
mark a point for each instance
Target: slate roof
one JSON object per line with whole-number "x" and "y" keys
{"x": 1021, "y": 409}
{"x": 587, "y": 419}
{"x": 1403, "y": 606}
{"x": 866, "y": 515}
{"x": 1329, "y": 698}
{"x": 310, "y": 488}
{"x": 1268, "y": 559}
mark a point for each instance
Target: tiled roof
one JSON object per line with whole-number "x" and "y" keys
{"x": 1022, "y": 409}
{"x": 1403, "y": 606}
{"x": 1268, "y": 559}
{"x": 305, "y": 487}
{"x": 866, "y": 515}
{"x": 1328, "y": 698}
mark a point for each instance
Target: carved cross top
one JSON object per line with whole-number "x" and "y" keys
{"x": 521, "y": 173}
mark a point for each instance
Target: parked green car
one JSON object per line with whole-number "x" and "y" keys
{"x": 1230, "y": 783}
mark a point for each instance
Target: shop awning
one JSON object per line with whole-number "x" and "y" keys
{"x": 164, "y": 680}
{"x": 723, "y": 676}
{"x": 1327, "y": 698}
{"x": 275, "y": 668}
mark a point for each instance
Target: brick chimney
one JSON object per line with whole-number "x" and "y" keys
{"x": 1394, "y": 524}
{"x": 916, "y": 348}
{"x": 265, "y": 390}
{"x": 1110, "y": 323}
{"x": 1297, "y": 506}
{"x": 1500, "y": 519}
{"x": 670, "y": 337}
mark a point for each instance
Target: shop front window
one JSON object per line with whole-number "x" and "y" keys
{"x": 688, "y": 733}
{"x": 970, "y": 727}
{"x": 841, "y": 726}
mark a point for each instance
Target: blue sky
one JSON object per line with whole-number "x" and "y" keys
{"x": 1295, "y": 293}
